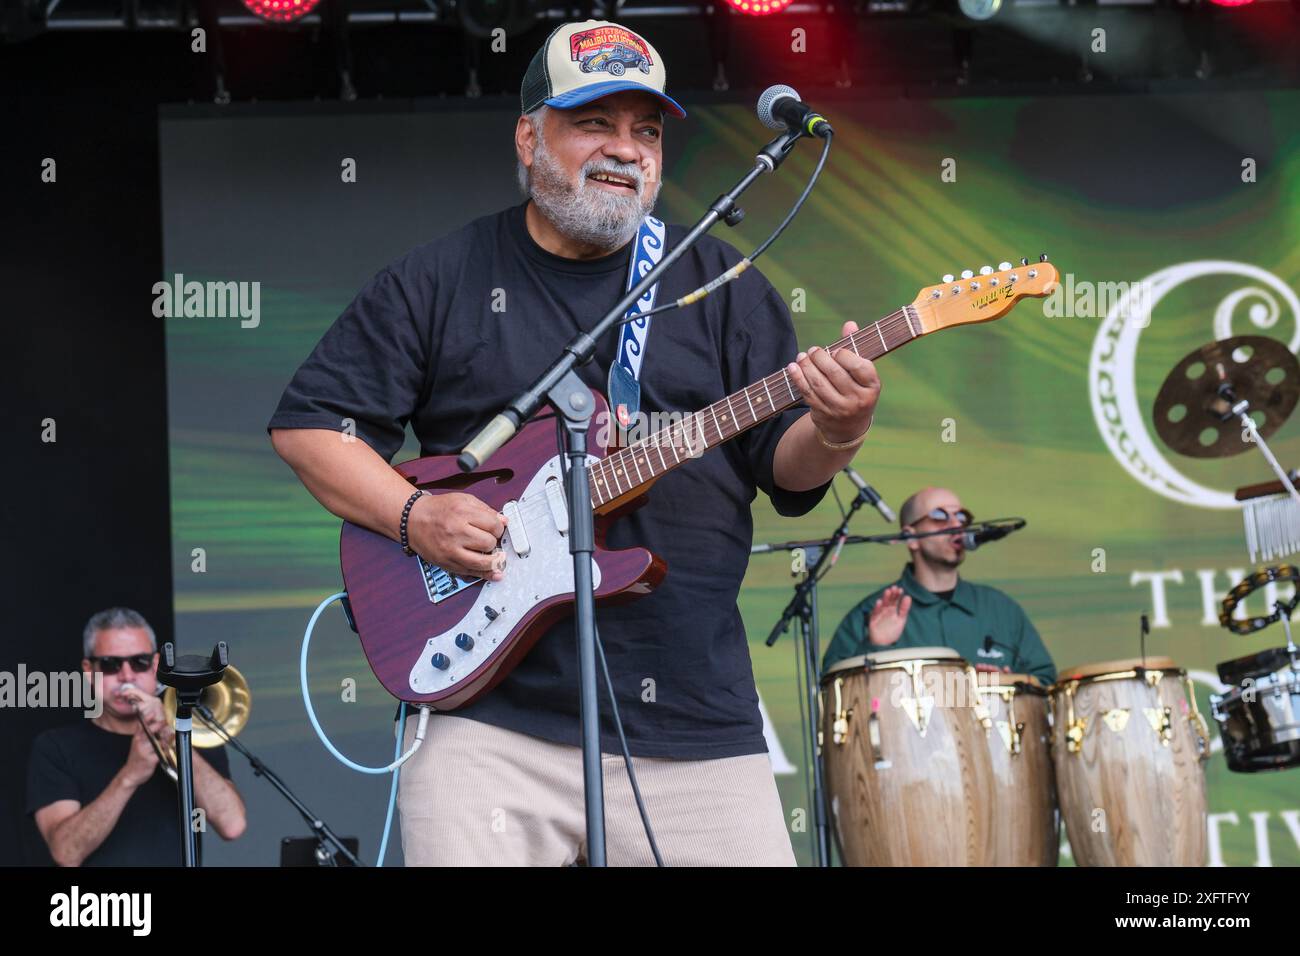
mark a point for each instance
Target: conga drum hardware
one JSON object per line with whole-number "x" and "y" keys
{"x": 1010, "y": 729}
{"x": 840, "y": 725}
{"x": 1116, "y": 719}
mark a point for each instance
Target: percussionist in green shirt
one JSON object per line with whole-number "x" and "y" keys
{"x": 931, "y": 606}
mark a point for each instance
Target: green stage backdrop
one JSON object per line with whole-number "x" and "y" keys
{"x": 1044, "y": 414}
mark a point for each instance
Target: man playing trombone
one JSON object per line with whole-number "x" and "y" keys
{"x": 96, "y": 789}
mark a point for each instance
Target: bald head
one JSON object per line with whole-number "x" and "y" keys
{"x": 925, "y": 501}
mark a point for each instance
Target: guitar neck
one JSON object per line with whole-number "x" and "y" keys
{"x": 626, "y": 473}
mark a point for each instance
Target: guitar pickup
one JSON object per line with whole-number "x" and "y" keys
{"x": 515, "y": 530}
{"x": 559, "y": 508}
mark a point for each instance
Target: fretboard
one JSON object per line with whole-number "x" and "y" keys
{"x": 627, "y": 471}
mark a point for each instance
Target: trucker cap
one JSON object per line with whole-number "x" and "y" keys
{"x": 581, "y": 62}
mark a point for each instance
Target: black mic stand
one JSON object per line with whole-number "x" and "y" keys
{"x": 319, "y": 828}
{"x": 803, "y": 605}
{"x": 562, "y": 389}
{"x": 188, "y": 676}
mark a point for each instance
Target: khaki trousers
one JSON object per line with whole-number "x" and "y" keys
{"x": 479, "y": 795}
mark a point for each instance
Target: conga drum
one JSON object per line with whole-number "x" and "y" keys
{"x": 1129, "y": 746}
{"x": 907, "y": 765}
{"x": 1026, "y": 829}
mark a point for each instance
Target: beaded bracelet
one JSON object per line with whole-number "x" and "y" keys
{"x": 406, "y": 514}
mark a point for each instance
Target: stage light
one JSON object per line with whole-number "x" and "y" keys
{"x": 1230, "y": 3}
{"x": 758, "y": 8}
{"x": 281, "y": 11}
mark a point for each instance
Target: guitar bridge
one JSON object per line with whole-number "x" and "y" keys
{"x": 441, "y": 584}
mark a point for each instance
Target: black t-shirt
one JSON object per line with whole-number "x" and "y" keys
{"x": 79, "y": 761}
{"x": 426, "y": 341}
{"x": 945, "y": 595}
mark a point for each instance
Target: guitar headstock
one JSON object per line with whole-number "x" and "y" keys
{"x": 984, "y": 295}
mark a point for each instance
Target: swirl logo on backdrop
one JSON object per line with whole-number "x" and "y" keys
{"x": 1112, "y": 379}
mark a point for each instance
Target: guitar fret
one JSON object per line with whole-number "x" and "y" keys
{"x": 751, "y": 406}
{"x": 704, "y": 437}
{"x": 614, "y": 475}
{"x": 732, "y": 409}
{"x": 771, "y": 405}
{"x": 881, "y": 333}
{"x": 659, "y": 448}
{"x": 716, "y": 426}
{"x": 632, "y": 450}
{"x": 908, "y": 319}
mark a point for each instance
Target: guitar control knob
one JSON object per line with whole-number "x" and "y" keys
{"x": 1024, "y": 261}
{"x": 440, "y": 661}
{"x": 464, "y": 641}
{"x": 948, "y": 278}
{"x": 985, "y": 270}
{"x": 1003, "y": 266}
{"x": 967, "y": 274}
{"x": 491, "y": 612}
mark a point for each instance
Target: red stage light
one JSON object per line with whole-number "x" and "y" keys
{"x": 281, "y": 11}
{"x": 759, "y": 8}
{"x": 1230, "y": 3}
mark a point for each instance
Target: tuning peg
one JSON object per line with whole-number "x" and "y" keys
{"x": 966, "y": 274}
{"x": 948, "y": 277}
{"x": 1024, "y": 261}
{"x": 1042, "y": 257}
{"x": 1003, "y": 266}
{"x": 985, "y": 270}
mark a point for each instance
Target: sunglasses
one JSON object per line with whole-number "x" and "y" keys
{"x": 111, "y": 665}
{"x": 963, "y": 516}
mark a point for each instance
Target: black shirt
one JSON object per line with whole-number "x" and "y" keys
{"x": 78, "y": 762}
{"x": 449, "y": 333}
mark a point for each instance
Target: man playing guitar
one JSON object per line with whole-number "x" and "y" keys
{"x": 448, "y": 333}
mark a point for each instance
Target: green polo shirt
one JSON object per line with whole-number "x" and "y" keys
{"x": 975, "y": 612}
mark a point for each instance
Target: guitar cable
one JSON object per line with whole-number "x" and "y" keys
{"x": 399, "y": 758}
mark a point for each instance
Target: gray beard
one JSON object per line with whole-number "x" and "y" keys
{"x": 583, "y": 211}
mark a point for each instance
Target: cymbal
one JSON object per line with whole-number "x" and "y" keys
{"x": 1193, "y": 410}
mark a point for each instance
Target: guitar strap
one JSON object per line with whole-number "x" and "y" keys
{"x": 624, "y": 391}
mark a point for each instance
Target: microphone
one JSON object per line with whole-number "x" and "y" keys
{"x": 973, "y": 539}
{"x": 870, "y": 495}
{"x": 780, "y": 108}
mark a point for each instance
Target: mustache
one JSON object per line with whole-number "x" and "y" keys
{"x": 630, "y": 171}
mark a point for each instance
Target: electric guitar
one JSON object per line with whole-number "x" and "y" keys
{"x": 435, "y": 638}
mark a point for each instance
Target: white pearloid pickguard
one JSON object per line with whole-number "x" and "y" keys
{"x": 544, "y": 572}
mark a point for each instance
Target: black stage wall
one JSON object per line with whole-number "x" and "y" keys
{"x": 84, "y": 520}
